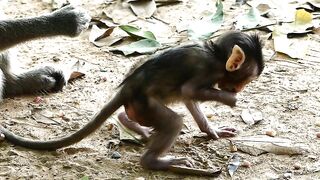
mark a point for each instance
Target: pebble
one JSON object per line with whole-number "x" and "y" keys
{"x": 271, "y": 133}
{"x": 233, "y": 148}
{"x": 139, "y": 178}
{"x": 2, "y": 137}
{"x": 296, "y": 166}
{"x": 116, "y": 155}
{"x": 318, "y": 134}
{"x": 246, "y": 164}
{"x": 287, "y": 175}
{"x": 209, "y": 116}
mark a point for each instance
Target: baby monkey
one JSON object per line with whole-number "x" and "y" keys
{"x": 184, "y": 74}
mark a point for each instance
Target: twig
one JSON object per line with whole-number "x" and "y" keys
{"x": 153, "y": 16}
{"x": 55, "y": 122}
{"x": 259, "y": 27}
{"x": 82, "y": 59}
{"x": 195, "y": 172}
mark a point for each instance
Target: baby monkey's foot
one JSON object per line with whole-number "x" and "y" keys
{"x": 222, "y": 132}
{"x": 152, "y": 162}
{"x": 181, "y": 161}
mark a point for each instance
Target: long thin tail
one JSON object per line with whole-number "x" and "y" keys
{"x": 89, "y": 128}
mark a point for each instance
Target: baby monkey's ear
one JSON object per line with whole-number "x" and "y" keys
{"x": 236, "y": 59}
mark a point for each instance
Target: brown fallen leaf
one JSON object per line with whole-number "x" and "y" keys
{"x": 75, "y": 75}
{"x": 101, "y": 36}
{"x": 76, "y": 72}
{"x": 97, "y": 33}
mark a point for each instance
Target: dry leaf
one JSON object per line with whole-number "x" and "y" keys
{"x": 295, "y": 48}
{"x": 257, "y": 145}
{"x": 120, "y": 13}
{"x": 97, "y": 34}
{"x": 76, "y": 72}
{"x": 263, "y": 9}
{"x": 143, "y": 8}
{"x": 75, "y": 75}
{"x": 101, "y": 37}
{"x": 125, "y": 133}
{"x": 233, "y": 164}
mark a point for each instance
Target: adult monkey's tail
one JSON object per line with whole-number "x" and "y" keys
{"x": 99, "y": 118}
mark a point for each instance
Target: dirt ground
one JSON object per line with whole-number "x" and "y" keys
{"x": 287, "y": 94}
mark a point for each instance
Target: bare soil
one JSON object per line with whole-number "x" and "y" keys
{"x": 287, "y": 94}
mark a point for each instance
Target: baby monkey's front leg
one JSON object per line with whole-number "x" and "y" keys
{"x": 203, "y": 124}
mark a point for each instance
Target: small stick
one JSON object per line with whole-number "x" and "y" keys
{"x": 195, "y": 172}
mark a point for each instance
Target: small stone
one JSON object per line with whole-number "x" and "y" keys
{"x": 287, "y": 175}
{"x": 318, "y": 134}
{"x": 209, "y": 116}
{"x": 317, "y": 123}
{"x": 139, "y": 178}
{"x": 110, "y": 127}
{"x": 2, "y": 137}
{"x": 271, "y": 133}
{"x": 56, "y": 59}
{"x": 312, "y": 157}
{"x": 246, "y": 164}
{"x": 104, "y": 79}
{"x": 116, "y": 155}
{"x": 233, "y": 148}
{"x": 296, "y": 166}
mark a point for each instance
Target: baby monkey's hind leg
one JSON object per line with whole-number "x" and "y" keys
{"x": 167, "y": 126}
{"x": 144, "y": 131}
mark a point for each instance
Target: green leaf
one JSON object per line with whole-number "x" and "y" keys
{"x": 137, "y": 33}
{"x": 218, "y": 16}
{"x": 85, "y": 178}
{"x": 249, "y": 20}
{"x": 203, "y": 29}
{"x": 144, "y": 46}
